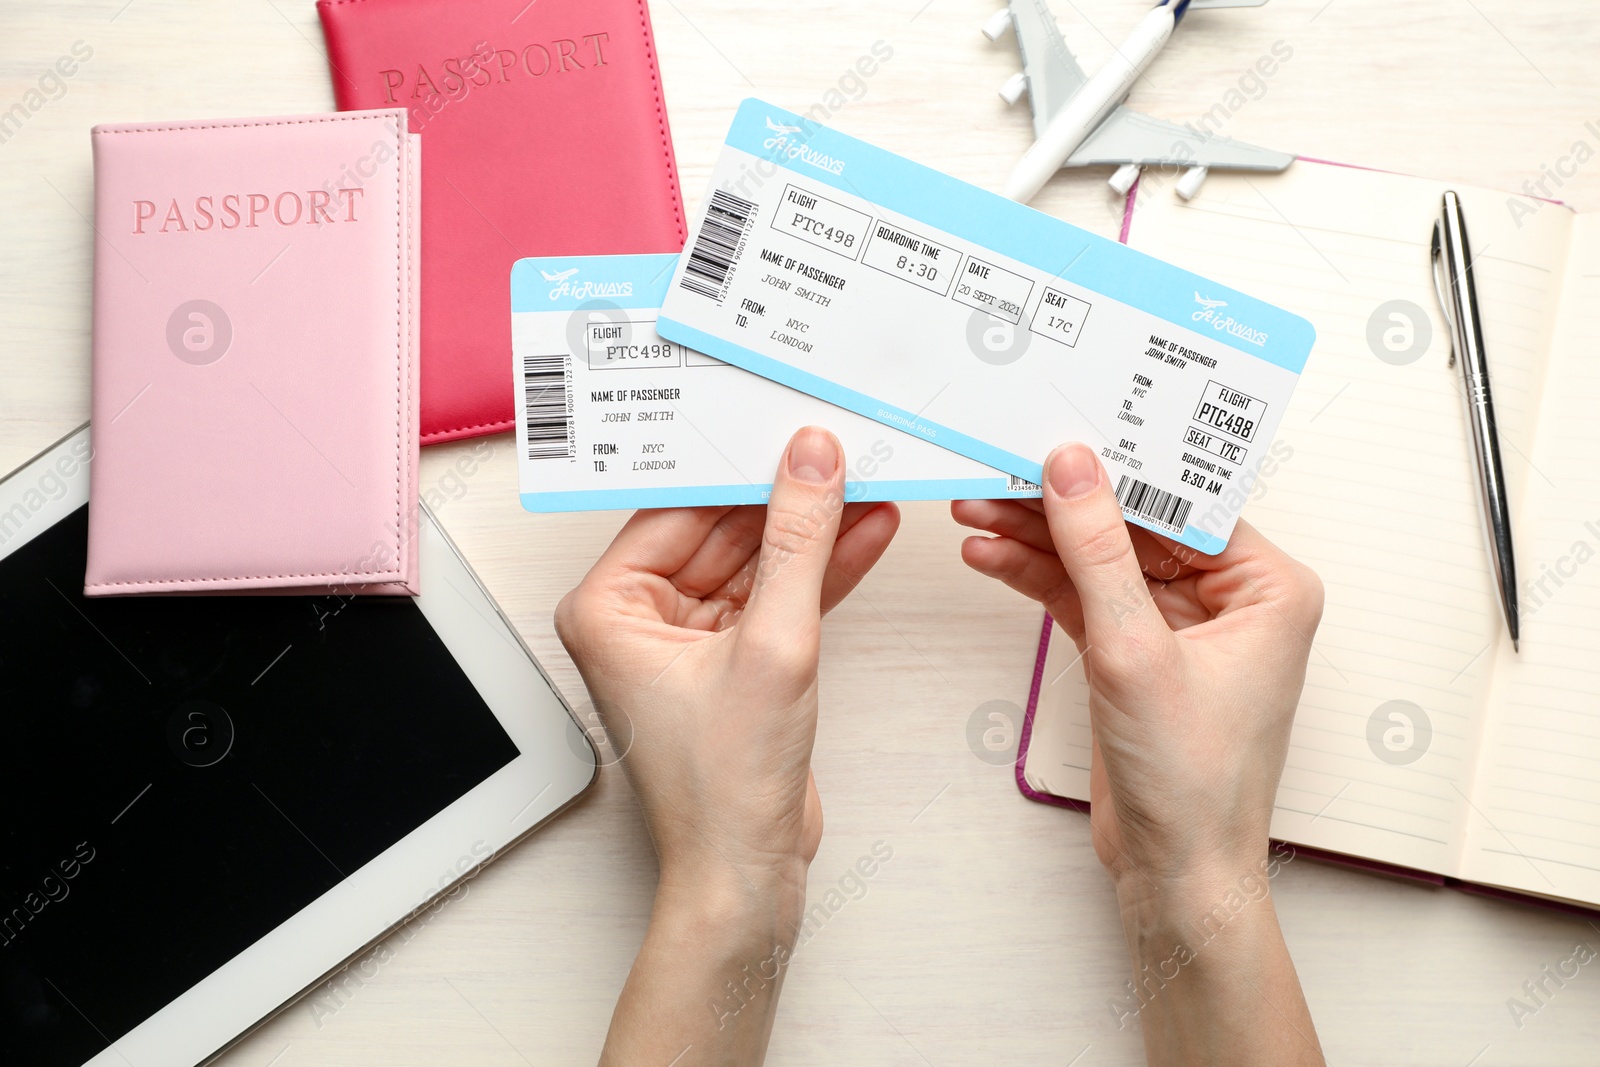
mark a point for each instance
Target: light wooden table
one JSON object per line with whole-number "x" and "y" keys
{"x": 991, "y": 935}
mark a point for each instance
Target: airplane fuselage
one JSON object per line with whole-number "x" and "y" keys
{"x": 1098, "y": 98}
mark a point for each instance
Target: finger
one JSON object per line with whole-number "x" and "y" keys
{"x": 726, "y": 547}
{"x": 700, "y": 548}
{"x": 659, "y": 540}
{"x": 1253, "y": 570}
{"x": 1247, "y": 546}
{"x": 854, "y": 513}
{"x": 735, "y": 588}
{"x": 802, "y": 521}
{"x": 1008, "y": 518}
{"x": 1160, "y": 558}
{"x": 1191, "y": 559}
{"x": 857, "y": 550}
{"x": 1092, "y": 539}
{"x": 1180, "y": 603}
{"x": 1032, "y": 503}
{"x": 1254, "y": 565}
{"x": 1023, "y": 520}
{"x": 1035, "y": 574}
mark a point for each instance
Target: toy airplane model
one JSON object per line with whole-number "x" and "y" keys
{"x": 1080, "y": 121}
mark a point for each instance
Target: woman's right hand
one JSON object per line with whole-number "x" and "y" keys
{"x": 1195, "y": 665}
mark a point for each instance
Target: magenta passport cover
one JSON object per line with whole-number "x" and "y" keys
{"x": 255, "y": 417}
{"x": 546, "y": 134}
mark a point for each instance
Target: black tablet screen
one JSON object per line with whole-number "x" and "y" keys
{"x": 181, "y": 775}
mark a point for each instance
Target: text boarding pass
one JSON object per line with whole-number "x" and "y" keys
{"x": 982, "y": 325}
{"x": 611, "y": 415}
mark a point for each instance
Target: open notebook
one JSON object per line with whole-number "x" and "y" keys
{"x": 1372, "y": 483}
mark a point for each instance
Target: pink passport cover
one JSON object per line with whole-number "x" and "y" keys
{"x": 255, "y": 418}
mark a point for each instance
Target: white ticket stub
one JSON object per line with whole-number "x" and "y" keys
{"x": 981, "y": 325}
{"x": 610, "y": 415}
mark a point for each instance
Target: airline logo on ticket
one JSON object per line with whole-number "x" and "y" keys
{"x": 611, "y": 415}
{"x": 980, "y": 324}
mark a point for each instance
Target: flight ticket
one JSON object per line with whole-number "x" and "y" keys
{"x": 611, "y": 415}
{"x": 981, "y": 325}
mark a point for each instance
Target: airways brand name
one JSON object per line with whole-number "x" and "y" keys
{"x": 591, "y": 290}
{"x": 456, "y": 75}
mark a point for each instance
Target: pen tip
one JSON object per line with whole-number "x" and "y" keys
{"x": 1514, "y": 646}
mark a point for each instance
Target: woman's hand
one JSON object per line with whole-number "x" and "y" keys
{"x": 1195, "y": 665}
{"x": 697, "y": 634}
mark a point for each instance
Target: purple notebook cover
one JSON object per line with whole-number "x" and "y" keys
{"x": 1356, "y": 862}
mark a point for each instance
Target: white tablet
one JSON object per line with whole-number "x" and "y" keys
{"x": 213, "y": 801}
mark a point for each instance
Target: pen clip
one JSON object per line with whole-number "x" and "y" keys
{"x": 1437, "y": 253}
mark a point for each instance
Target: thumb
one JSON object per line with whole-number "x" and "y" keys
{"x": 802, "y": 522}
{"x": 1092, "y": 539}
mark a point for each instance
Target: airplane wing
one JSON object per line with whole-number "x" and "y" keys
{"x": 1128, "y": 136}
{"x": 1053, "y": 75}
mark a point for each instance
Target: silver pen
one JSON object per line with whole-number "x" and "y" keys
{"x": 1458, "y": 300}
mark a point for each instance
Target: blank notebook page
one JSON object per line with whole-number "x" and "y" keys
{"x": 1371, "y": 482}
{"x": 1535, "y": 825}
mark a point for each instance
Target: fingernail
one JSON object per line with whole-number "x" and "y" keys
{"x": 1073, "y": 471}
{"x": 813, "y": 457}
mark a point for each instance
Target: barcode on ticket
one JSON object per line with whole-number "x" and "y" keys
{"x": 717, "y": 248}
{"x": 547, "y": 406}
{"x": 1165, "y": 509}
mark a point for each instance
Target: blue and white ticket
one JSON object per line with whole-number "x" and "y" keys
{"x": 982, "y": 325}
{"x": 610, "y": 415}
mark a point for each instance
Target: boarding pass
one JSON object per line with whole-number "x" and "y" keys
{"x": 982, "y": 325}
{"x": 611, "y": 415}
